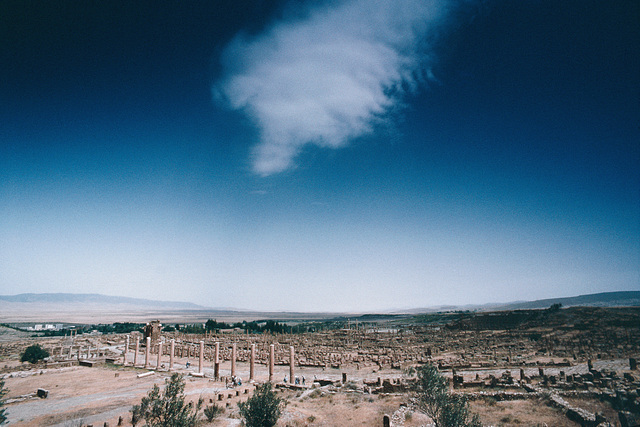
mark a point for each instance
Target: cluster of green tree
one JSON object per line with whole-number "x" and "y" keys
{"x": 118, "y": 328}
{"x": 56, "y": 333}
{"x": 254, "y": 327}
{"x": 190, "y": 329}
{"x": 79, "y": 330}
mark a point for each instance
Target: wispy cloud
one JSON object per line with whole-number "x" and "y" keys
{"x": 327, "y": 78}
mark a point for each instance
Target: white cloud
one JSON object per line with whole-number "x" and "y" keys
{"x": 328, "y": 77}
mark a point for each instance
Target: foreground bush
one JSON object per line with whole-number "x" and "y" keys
{"x": 263, "y": 408}
{"x": 3, "y": 391}
{"x": 34, "y": 353}
{"x": 167, "y": 408}
{"x": 433, "y": 398}
{"x": 213, "y": 411}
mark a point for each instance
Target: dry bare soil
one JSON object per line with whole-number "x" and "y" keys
{"x": 83, "y": 395}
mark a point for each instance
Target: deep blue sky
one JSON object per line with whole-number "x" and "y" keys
{"x": 339, "y": 155}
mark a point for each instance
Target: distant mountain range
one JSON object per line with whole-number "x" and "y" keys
{"x": 97, "y": 299}
{"x": 98, "y": 302}
{"x": 603, "y": 299}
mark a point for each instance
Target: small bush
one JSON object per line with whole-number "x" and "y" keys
{"x": 315, "y": 393}
{"x": 167, "y": 408}
{"x": 3, "y": 391}
{"x": 263, "y": 408}
{"x": 213, "y": 411}
{"x": 433, "y": 398}
{"x": 33, "y": 354}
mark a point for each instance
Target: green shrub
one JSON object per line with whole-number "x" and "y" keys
{"x": 167, "y": 408}
{"x": 263, "y": 408}
{"x": 213, "y": 411}
{"x": 33, "y": 354}
{"x": 3, "y": 391}
{"x": 433, "y": 398}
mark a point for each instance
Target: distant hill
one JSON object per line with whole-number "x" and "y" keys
{"x": 96, "y": 299}
{"x": 88, "y": 308}
{"x": 603, "y": 299}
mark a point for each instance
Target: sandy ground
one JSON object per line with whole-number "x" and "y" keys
{"x": 532, "y": 412}
{"x": 83, "y": 395}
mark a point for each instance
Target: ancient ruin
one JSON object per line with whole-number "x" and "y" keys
{"x": 581, "y": 363}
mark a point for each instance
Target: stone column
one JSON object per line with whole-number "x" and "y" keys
{"x": 233, "y": 360}
{"x": 272, "y": 354}
{"x": 135, "y": 356}
{"x": 173, "y": 348}
{"x": 201, "y": 358}
{"x": 126, "y": 350}
{"x": 216, "y": 362}
{"x": 252, "y": 361}
{"x": 291, "y": 362}
{"x": 158, "y": 362}
{"x": 147, "y": 351}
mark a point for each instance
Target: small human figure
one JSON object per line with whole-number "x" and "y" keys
{"x": 188, "y": 364}
{"x": 239, "y": 381}
{"x": 297, "y": 380}
{"x": 285, "y": 379}
{"x": 303, "y": 380}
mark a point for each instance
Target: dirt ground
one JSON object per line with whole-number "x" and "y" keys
{"x": 534, "y": 412}
{"x": 82, "y": 395}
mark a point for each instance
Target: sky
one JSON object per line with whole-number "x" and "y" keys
{"x": 331, "y": 155}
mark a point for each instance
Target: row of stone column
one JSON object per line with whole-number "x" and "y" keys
{"x": 216, "y": 359}
{"x": 81, "y": 351}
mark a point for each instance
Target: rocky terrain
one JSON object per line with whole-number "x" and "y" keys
{"x": 574, "y": 366}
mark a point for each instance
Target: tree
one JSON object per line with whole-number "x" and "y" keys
{"x": 555, "y": 307}
{"x": 167, "y": 408}
{"x": 433, "y": 398}
{"x": 210, "y": 325}
{"x": 33, "y": 354}
{"x": 263, "y": 408}
{"x": 3, "y": 391}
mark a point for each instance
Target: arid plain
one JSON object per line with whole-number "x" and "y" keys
{"x": 554, "y": 367}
